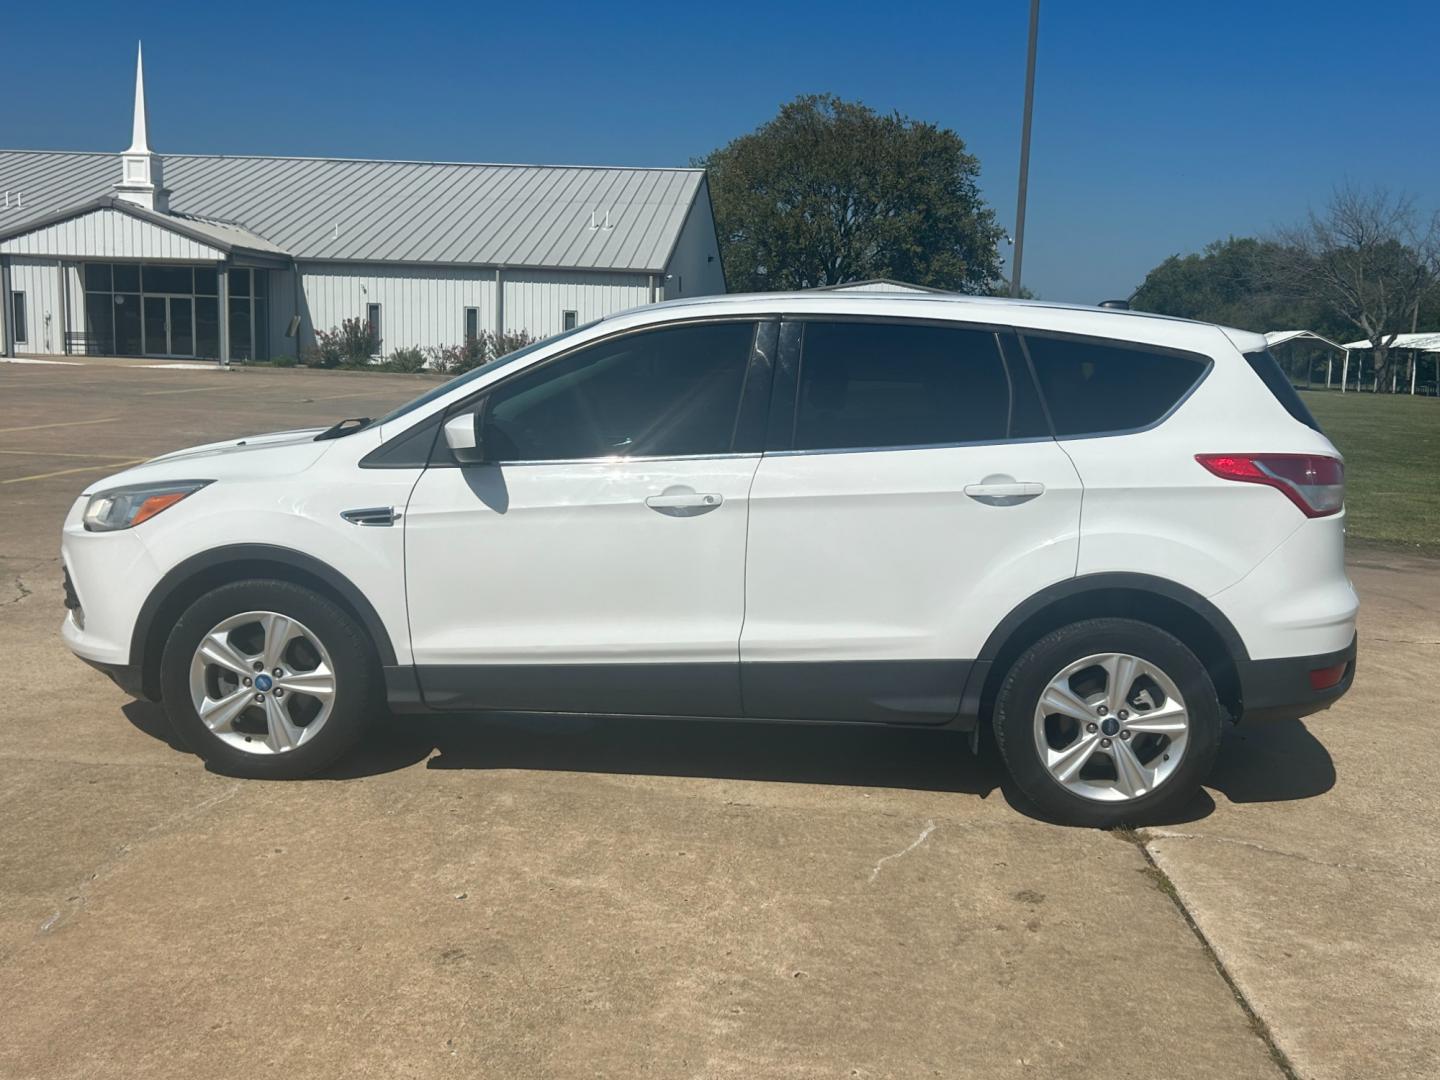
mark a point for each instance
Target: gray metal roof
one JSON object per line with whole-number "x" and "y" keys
{"x": 392, "y": 211}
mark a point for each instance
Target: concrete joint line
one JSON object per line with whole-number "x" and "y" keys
{"x": 1257, "y": 1024}
{"x": 1167, "y": 835}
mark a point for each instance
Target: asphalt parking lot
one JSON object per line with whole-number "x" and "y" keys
{"x": 559, "y": 897}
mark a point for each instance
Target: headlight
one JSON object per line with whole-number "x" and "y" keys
{"x": 122, "y": 507}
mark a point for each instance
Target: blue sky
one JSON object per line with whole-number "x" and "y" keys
{"x": 1158, "y": 126}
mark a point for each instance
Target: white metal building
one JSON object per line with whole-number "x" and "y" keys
{"x": 137, "y": 254}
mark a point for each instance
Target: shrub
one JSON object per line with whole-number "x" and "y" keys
{"x": 353, "y": 344}
{"x": 408, "y": 359}
{"x": 283, "y": 361}
{"x": 476, "y": 352}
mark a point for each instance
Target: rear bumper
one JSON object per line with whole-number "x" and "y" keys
{"x": 1282, "y": 690}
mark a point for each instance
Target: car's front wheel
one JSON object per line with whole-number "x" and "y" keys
{"x": 1108, "y": 721}
{"x": 268, "y": 679}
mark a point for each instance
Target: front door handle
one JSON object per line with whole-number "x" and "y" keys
{"x": 1004, "y": 492}
{"x": 684, "y": 502}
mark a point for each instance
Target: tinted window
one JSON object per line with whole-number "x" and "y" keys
{"x": 889, "y": 384}
{"x": 1266, "y": 366}
{"x": 1093, "y": 387}
{"x": 168, "y": 279}
{"x": 662, "y": 392}
{"x": 17, "y": 306}
{"x": 97, "y": 277}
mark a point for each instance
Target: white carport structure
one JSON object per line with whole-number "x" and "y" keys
{"x": 1276, "y": 338}
{"x": 1416, "y": 344}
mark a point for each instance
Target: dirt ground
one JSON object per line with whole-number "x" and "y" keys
{"x": 561, "y": 897}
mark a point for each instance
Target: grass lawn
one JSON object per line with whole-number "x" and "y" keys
{"x": 1392, "y": 464}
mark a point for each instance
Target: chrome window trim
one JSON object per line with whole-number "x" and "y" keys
{"x": 911, "y": 447}
{"x": 614, "y": 459}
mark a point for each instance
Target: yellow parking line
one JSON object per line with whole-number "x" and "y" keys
{"x": 67, "y": 472}
{"x": 66, "y": 423}
{"x": 57, "y": 453}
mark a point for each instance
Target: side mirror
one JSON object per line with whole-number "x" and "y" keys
{"x": 463, "y": 438}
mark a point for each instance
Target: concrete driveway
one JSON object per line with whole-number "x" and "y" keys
{"x": 547, "y": 897}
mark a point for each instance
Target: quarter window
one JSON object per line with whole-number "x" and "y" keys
{"x": 1097, "y": 387}
{"x": 874, "y": 385}
{"x": 667, "y": 392}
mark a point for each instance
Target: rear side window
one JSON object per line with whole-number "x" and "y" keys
{"x": 1268, "y": 368}
{"x": 1096, "y": 387}
{"x": 875, "y": 385}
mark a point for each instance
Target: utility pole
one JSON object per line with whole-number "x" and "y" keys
{"x": 1025, "y": 150}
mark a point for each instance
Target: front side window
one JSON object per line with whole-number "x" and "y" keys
{"x": 1096, "y": 387}
{"x": 667, "y": 392}
{"x": 877, "y": 385}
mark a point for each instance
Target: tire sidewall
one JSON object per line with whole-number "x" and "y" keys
{"x": 1031, "y": 674}
{"x": 350, "y": 654}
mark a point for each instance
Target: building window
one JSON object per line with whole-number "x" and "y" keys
{"x": 472, "y": 323}
{"x": 372, "y": 317}
{"x": 570, "y": 320}
{"x": 17, "y": 306}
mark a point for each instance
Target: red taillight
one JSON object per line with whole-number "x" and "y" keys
{"x": 1326, "y": 677}
{"x": 1313, "y": 482}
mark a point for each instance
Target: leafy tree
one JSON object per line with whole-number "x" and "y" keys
{"x": 1370, "y": 258}
{"x": 1230, "y": 283}
{"x": 831, "y": 191}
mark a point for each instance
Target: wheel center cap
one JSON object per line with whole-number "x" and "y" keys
{"x": 1109, "y": 725}
{"x": 263, "y": 682}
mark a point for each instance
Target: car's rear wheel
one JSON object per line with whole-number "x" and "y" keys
{"x": 268, "y": 679}
{"x": 1107, "y": 722}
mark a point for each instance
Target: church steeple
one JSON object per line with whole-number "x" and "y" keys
{"x": 142, "y": 180}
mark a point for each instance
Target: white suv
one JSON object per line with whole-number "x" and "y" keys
{"x": 1097, "y": 533}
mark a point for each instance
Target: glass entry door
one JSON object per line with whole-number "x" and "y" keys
{"x": 169, "y": 326}
{"x": 182, "y": 326}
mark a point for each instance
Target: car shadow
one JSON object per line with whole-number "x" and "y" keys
{"x": 856, "y": 756}
{"x": 1274, "y": 761}
{"x": 1278, "y": 761}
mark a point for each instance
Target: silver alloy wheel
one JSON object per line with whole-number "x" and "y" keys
{"x": 1111, "y": 727}
{"x": 262, "y": 682}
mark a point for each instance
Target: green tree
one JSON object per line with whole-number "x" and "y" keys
{"x": 831, "y": 191}
{"x": 1231, "y": 283}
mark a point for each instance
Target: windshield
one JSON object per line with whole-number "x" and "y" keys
{"x": 473, "y": 374}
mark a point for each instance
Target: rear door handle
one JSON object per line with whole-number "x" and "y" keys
{"x": 693, "y": 502}
{"x": 1007, "y": 493}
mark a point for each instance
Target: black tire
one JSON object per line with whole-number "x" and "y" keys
{"x": 357, "y": 689}
{"x": 1027, "y": 679}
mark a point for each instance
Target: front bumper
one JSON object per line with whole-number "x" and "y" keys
{"x": 127, "y": 677}
{"x": 1282, "y": 689}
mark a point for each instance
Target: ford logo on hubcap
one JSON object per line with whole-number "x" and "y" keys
{"x": 263, "y": 682}
{"x": 1109, "y": 725}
